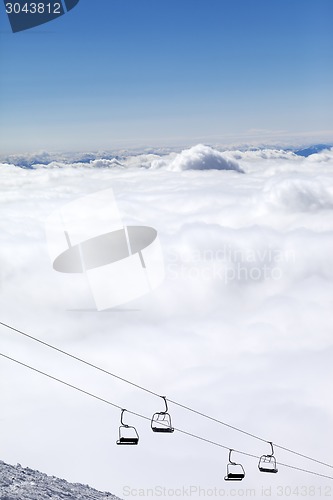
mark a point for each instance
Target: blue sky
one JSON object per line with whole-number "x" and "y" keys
{"x": 116, "y": 73}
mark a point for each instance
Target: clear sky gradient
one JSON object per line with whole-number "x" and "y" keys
{"x": 131, "y": 72}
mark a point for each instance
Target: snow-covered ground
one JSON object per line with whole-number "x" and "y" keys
{"x": 19, "y": 483}
{"x": 240, "y": 329}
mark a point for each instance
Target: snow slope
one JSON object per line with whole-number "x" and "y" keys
{"x": 27, "y": 484}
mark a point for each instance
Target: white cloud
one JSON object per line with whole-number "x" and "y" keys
{"x": 241, "y": 328}
{"x": 323, "y": 156}
{"x": 199, "y": 157}
{"x": 102, "y": 163}
{"x": 299, "y": 193}
{"x": 264, "y": 154}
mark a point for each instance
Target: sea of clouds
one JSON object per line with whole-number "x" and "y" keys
{"x": 241, "y": 327}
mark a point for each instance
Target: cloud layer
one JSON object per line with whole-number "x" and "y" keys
{"x": 240, "y": 329}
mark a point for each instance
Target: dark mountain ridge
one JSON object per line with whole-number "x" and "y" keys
{"x": 18, "y": 483}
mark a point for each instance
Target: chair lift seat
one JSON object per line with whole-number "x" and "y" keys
{"x": 128, "y": 440}
{"x": 266, "y": 469}
{"x": 161, "y": 421}
{"x": 163, "y": 429}
{"x": 127, "y": 433}
{"x": 267, "y": 463}
{"x": 235, "y": 471}
{"x": 234, "y": 476}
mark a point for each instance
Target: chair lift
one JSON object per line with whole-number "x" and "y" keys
{"x": 267, "y": 463}
{"x": 127, "y": 433}
{"x": 235, "y": 472}
{"x": 161, "y": 421}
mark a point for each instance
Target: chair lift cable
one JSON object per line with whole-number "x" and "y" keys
{"x": 204, "y": 415}
{"x": 182, "y": 431}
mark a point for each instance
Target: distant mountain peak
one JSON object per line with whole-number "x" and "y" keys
{"x": 311, "y": 150}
